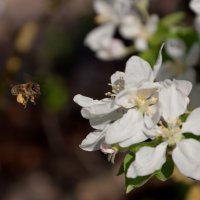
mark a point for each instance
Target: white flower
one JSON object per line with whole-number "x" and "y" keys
{"x": 185, "y": 150}
{"x": 102, "y": 42}
{"x": 140, "y": 98}
{"x": 124, "y": 15}
{"x": 134, "y": 29}
{"x": 100, "y": 36}
{"x": 101, "y": 39}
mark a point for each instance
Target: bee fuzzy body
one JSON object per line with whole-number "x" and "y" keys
{"x": 26, "y": 92}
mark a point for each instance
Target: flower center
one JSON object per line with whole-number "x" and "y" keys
{"x": 145, "y": 100}
{"x": 117, "y": 87}
{"x": 171, "y": 132}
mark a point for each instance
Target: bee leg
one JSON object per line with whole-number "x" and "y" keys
{"x": 32, "y": 99}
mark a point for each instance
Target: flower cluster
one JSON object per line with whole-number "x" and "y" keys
{"x": 130, "y": 18}
{"x": 149, "y": 120}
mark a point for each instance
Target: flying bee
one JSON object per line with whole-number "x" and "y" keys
{"x": 26, "y": 92}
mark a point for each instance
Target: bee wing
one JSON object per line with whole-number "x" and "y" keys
{"x": 14, "y": 90}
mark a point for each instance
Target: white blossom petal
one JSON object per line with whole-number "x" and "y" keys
{"x": 100, "y": 122}
{"x": 158, "y": 63}
{"x": 154, "y": 132}
{"x": 154, "y": 117}
{"x": 173, "y": 102}
{"x": 195, "y": 6}
{"x": 184, "y": 86}
{"x": 103, "y": 8}
{"x": 141, "y": 44}
{"x": 126, "y": 98}
{"x": 116, "y": 77}
{"x": 93, "y": 141}
{"x": 152, "y": 24}
{"x": 192, "y": 123}
{"x": 131, "y": 27}
{"x": 98, "y": 108}
{"x": 147, "y": 161}
{"x": 175, "y": 48}
{"x": 124, "y": 128}
{"x": 100, "y": 36}
{"x": 138, "y": 137}
{"x": 112, "y": 49}
{"x": 137, "y": 71}
{"x": 84, "y": 101}
{"x": 187, "y": 159}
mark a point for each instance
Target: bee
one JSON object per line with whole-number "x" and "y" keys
{"x": 26, "y": 92}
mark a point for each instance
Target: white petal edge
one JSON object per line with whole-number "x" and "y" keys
{"x": 100, "y": 36}
{"x": 138, "y": 137}
{"x": 158, "y": 63}
{"x": 195, "y": 6}
{"x": 187, "y": 159}
{"x": 184, "y": 86}
{"x": 173, "y": 102}
{"x": 93, "y": 141}
{"x": 137, "y": 71}
{"x": 125, "y": 127}
{"x": 192, "y": 123}
{"x": 98, "y": 108}
{"x": 126, "y": 98}
{"x": 103, "y": 8}
{"x": 116, "y": 77}
{"x": 84, "y": 101}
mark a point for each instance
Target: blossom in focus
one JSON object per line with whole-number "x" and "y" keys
{"x": 184, "y": 150}
{"x": 132, "y": 104}
{"x": 140, "y": 98}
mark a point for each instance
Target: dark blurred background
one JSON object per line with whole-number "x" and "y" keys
{"x": 40, "y": 158}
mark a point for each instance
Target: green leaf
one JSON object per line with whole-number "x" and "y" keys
{"x": 172, "y": 19}
{"x": 149, "y": 55}
{"x": 139, "y": 181}
{"x": 121, "y": 170}
{"x": 184, "y": 116}
{"x": 166, "y": 171}
{"x": 129, "y": 158}
{"x": 55, "y": 93}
